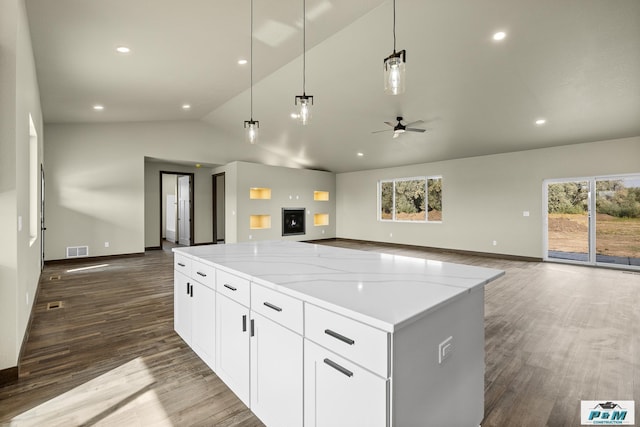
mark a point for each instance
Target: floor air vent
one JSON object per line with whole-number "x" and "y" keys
{"x": 54, "y": 277}
{"x": 54, "y": 305}
{"x": 77, "y": 251}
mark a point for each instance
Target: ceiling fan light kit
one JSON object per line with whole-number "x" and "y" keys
{"x": 304, "y": 101}
{"x": 251, "y": 126}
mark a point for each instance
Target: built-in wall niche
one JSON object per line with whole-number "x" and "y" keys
{"x": 260, "y": 193}
{"x": 320, "y": 219}
{"x": 259, "y": 222}
{"x": 321, "y": 196}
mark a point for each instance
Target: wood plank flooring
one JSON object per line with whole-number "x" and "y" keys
{"x": 555, "y": 334}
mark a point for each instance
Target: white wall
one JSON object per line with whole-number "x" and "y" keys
{"x": 202, "y": 202}
{"x": 96, "y": 181}
{"x": 483, "y": 197}
{"x": 19, "y": 254}
{"x": 289, "y": 188}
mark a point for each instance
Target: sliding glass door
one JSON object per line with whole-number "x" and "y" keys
{"x": 593, "y": 220}
{"x": 618, "y": 221}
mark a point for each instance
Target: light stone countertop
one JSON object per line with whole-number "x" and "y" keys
{"x": 382, "y": 290}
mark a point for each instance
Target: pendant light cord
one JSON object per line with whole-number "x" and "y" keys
{"x": 251, "y": 54}
{"x": 394, "y": 26}
{"x": 304, "y": 50}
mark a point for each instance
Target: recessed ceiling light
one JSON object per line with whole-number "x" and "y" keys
{"x": 186, "y": 106}
{"x": 360, "y": 154}
{"x": 500, "y": 35}
{"x": 540, "y": 122}
{"x": 242, "y": 62}
{"x": 98, "y": 107}
{"x": 123, "y": 49}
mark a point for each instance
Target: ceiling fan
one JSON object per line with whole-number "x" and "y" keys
{"x": 399, "y": 128}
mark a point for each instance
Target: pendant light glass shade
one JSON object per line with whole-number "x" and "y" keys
{"x": 394, "y": 73}
{"x": 251, "y": 130}
{"x": 304, "y": 102}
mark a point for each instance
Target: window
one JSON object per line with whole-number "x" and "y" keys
{"x": 411, "y": 199}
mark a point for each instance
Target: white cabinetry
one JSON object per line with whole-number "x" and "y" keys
{"x": 232, "y": 333}
{"x": 276, "y": 358}
{"x": 194, "y": 306}
{"x": 182, "y": 306}
{"x": 339, "y": 393}
{"x": 302, "y": 343}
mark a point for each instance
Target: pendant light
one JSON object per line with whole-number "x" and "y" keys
{"x": 394, "y": 65}
{"x": 304, "y": 101}
{"x": 251, "y": 126}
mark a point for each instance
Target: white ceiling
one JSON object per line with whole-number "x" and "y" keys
{"x": 575, "y": 63}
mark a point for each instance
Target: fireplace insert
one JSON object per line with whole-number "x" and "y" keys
{"x": 293, "y": 221}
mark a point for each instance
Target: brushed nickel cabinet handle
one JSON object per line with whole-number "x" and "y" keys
{"x": 338, "y": 368}
{"x": 339, "y": 336}
{"x": 273, "y": 307}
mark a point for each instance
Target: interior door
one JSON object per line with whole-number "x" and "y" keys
{"x": 568, "y": 220}
{"x": 184, "y": 210}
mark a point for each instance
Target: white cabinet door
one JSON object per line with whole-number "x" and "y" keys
{"x": 276, "y": 374}
{"x": 338, "y": 393}
{"x": 232, "y": 346}
{"x": 182, "y": 306}
{"x": 203, "y": 326}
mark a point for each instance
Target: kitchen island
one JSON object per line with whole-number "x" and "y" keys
{"x": 314, "y": 335}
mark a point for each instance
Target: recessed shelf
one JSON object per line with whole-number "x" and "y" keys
{"x": 260, "y": 193}
{"x": 322, "y": 196}
{"x": 259, "y": 222}
{"x": 320, "y": 219}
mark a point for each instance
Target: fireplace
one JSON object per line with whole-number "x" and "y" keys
{"x": 293, "y": 221}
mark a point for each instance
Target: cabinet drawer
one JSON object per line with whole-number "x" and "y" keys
{"x": 182, "y": 264}
{"x": 360, "y": 343}
{"x": 204, "y": 273}
{"x": 233, "y": 286}
{"x": 278, "y": 307}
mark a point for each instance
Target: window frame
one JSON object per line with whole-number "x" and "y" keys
{"x": 393, "y": 182}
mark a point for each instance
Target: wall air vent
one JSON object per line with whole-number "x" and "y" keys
{"x": 77, "y": 251}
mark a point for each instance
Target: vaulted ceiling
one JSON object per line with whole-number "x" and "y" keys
{"x": 574, "y": 63}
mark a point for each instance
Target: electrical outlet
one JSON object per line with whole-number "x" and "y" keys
{"x": 27, "y": 298}
{"x": 525, "y": 213}
{"x": 445, "y": 348}
{"x": 390, "y": 234}
{"x": 495, "y": 243}
{"x": 19, "y": 223}
{"x": 106, "y": 244}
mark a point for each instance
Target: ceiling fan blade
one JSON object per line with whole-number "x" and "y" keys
{"x": 384, "y": 130}
{"x": 390, "y": 124}
{"x": 414, "y": 123}
{"x": 414, "y": 130}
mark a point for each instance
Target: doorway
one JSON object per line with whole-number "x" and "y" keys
{"x": 42, "y": 226}
{"x": 593, "y": 221}
{"x": 218, "y": 208}
{"x": 176, "y": 208}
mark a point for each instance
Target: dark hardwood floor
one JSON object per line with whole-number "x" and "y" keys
{"x": 555, "y": 334}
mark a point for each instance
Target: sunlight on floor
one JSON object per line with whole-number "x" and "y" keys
{"x": 123, "y": 396}
{"x": 91, "y": 267}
